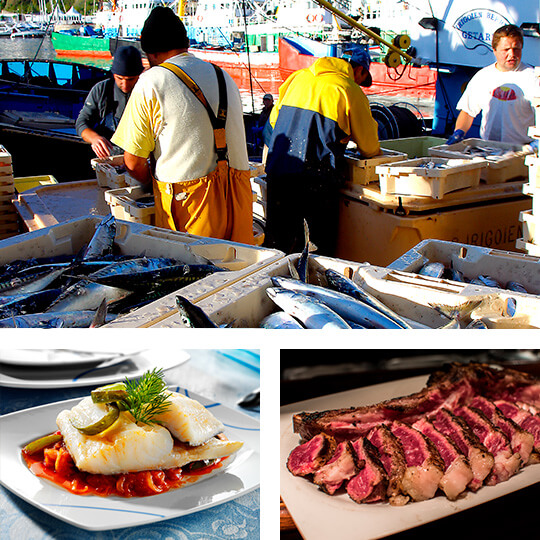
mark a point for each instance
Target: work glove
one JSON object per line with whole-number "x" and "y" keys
{"x": 534, "y": 145}
{"x": 456, "y": 137}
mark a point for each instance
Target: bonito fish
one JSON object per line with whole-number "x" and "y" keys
{"x": 128, "y": 446}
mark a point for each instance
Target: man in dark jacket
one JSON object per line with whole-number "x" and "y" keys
{"x": 106, "y": 101}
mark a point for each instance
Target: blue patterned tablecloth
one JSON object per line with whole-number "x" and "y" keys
{"x": 222, "y": 375}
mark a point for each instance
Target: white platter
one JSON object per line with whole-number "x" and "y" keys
{"x": 106, "y": 513}
{"x": 320, "y": 516}
{"x": 59, "y": 357}
{"x": 89, "y": 375}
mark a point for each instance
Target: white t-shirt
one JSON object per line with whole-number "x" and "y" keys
{"x": 504, "y": 98}
{"x": 164, "y": 118}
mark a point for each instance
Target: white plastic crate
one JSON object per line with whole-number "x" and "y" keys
{"x": 533, "y": 164}
{"x": 500, "y": 168}
{"x": 472, "y": 261}
{"x": 137, "y": 239}
{"x": 416, "y": 177}
{"x": 361, "y": 171}
{"x": 531, "y": 227}
{"x": 125, "y": 204}
{"x": 110, "y": 172}
{"x": 258, "y": 186}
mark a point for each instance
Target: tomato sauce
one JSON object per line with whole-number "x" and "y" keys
{"x": 54, "y": 463}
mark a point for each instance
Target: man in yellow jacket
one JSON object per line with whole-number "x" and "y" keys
{"x": 320, "y": 109}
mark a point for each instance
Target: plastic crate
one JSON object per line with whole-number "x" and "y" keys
{"x": 361, "y": 171}
{"x": 28, "y": 182}
{"x": 415, "y": 177}
{"x": 531, "y": 227}
{"x": 417, "y": 297}
{"x": 533, "y": 164}
{"x": 366, "y": 233}
{"x": 108, "y": 175}
{"x": 244, "y": 303}
{"x": 137, "y": 239}
{"x": 258, "y": 186}
{"x": 533, "y": 192}
{"x": 124, "y": 204}
{"x": 473, "y": 261}
{"x": 501, "y": 168}
{"x": 5, "y": 157}
{"x": 413, "y": 147}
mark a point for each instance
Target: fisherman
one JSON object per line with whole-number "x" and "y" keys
{"x": 262, "y": 130}
{"x": 502, "y": 92}
{"x": 319, "y": 110}
{"x": 107, "y": 100}
{"x": 200, "y": 169}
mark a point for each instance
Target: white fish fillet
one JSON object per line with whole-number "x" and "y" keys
{"x": 128, "y": 447}
{"x": 189, "y": 421}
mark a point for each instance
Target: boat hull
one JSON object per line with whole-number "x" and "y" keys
{"x": 65, "y": 44}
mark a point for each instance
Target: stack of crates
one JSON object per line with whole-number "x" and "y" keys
{"x": 530, "y": 242}
{"x": 9, "y": 223}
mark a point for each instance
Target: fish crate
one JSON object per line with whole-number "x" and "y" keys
{"x": 505, "y": 161}
{"x": 131, "y": 204}
{"x": 358, "y": 170}
{"x": 413, "y": 147}
{"x": 111, "y": 172}
{"x": 25, "y": 183}
{"x": 423, "y": 299}
{"x": 5, "y": 157}
{"x": 49, "y": 205}
{"x": 143, "y": 240}
{"x": 370, "y": 232}
{"x": 258, "y": 186}
{"x": 429, "y": 177}
{"x": 473, "y": 261}
{"x": 244, "y": 303}
{"x": 531, "y": 227}
{"x": 534, "y": 193}
{"x": 535, "y": 101}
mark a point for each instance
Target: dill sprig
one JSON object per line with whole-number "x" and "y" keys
{"x": 146, "y": 397}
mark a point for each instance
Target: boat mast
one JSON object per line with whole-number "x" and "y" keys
{"x": 248, "y": 57}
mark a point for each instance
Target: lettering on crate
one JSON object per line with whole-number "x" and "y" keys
{"x": 500, "y": 237}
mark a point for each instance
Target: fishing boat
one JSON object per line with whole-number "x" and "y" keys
{"x": 26, "y": 30}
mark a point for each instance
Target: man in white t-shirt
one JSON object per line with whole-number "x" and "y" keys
{"x": 502, "y": 92}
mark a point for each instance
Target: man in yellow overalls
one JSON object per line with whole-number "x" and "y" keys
{"x": 186, "y": 116}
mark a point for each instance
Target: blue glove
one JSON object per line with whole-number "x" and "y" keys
{"x": 456, "y": 137}
{"x": 534, "y": 145}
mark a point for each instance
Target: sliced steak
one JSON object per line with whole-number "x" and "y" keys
{"x": 521, "y": 441}
{"x": 392, "y": 457}
{"x": 371, "y": 483}
{"x": 342, "y": 466}
{"x": 507, "y": 462}
{"x": 524, "y": 419}
{"x": 457, "y": 471}
{"x": 425, "y": 467}
{"x": 309, "y": 457}
{"x": 480, "y": 459}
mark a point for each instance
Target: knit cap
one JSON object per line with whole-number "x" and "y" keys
{"x": 127, "y": 62}
{"x": 163, "y": 31}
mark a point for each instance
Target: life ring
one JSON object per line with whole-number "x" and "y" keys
{"x": 199, "y": 18}
{"x": 319, "y": 18}
{"x": 310, "y": 18}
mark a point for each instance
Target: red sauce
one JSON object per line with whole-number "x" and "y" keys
{"x": 56, "y": 464}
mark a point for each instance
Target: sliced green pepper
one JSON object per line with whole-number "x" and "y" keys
{"x": 42, "y": 442}
{"x": 109, "y": 393}
{"x": 102, "y": 424}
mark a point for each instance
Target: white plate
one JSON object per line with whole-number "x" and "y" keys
{"x": 57, "y": 357}
{"x": 107, "y": 513}
{"x": 321, "y": 516}
{"x": 89, "y": 375}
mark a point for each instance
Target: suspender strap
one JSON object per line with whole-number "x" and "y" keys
{"x": 218, "y": 122}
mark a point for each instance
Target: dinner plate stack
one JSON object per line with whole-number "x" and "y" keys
{"x": 530, "y": 242}
{"x": 9, "y": 224}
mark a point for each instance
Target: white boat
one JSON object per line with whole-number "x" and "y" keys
{"x": 26, "y": 30}
{"x": 5, "y": 29}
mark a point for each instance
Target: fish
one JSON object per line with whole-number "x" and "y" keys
{"x": 102, "y": 241}
{"x": 308, "y": 310}
{"x": 347, "y": 307}
{"x": 128, "y": 446}
{"x": 477, "y": 324}
{"x": 454, "y": 275}
{"x": 303, "y": 260}
{"x": 66, "y": 319}
{"x": 432, "y": 269}
{"x": 189, "y": 421}
{"x": 514, "y": 286}
{"x": 343, "y": 284}
{"x": 489, "y": 281}
{"x": 193, "y": 316}
{"x": 29, "y": 283}
{"x": 280, "y": 321}
{"x": 85, "y": 295}
{"x": 29, "y": 303}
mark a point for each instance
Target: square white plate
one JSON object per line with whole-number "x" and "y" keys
{"x": 107, "y": 513}
{"x": 321, "y": 516}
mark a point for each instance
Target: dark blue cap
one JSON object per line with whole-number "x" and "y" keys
{"x": 127, "y": 62}
{"x": 360, "y": 57}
